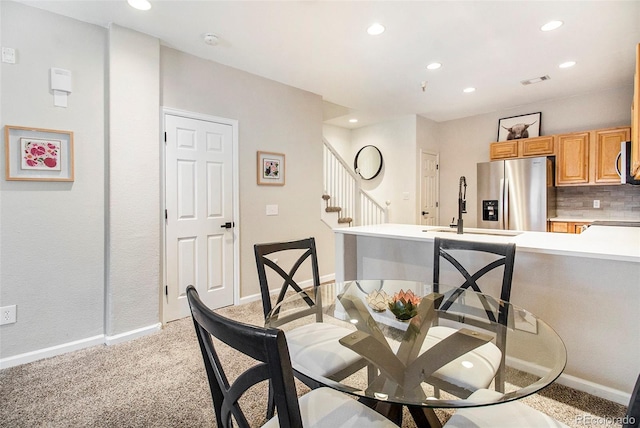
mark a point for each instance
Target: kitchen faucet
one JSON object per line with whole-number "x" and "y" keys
{"x": 462, "y": 203}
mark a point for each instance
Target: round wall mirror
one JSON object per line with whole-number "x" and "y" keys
{"x": 368, "y": 162}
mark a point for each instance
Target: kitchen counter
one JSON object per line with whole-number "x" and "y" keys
{"x": 586, "y": 286}
{"x": 602, "y": 242}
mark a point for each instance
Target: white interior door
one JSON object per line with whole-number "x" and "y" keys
{"x": 199, "y": 235}
{"x": 429, "y": 176}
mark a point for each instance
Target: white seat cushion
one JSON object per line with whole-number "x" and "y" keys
{"x": 324, "y": 407}
{"x": 484, "y": 360}
{"x": 315, "y": 347}
{"x": 505, "y": 415}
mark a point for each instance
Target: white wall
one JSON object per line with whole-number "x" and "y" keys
{"x": 271, "y": 117}
{"x": 133, "y": 215}
{"x": 82, "y": 260}
{"x": 396, "y": 140}
{"x": 52, "y": 234}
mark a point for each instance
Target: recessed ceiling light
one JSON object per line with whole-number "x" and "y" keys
{"x": 551, "y": 25}
{"x": 353, "y": 120}
{"x": 434, "y": 66}
{"x": 567, "y": 64}
{"x": 139, "y": 4}
{"x": 468, "y": 90}
{"x": 375, "y": 29}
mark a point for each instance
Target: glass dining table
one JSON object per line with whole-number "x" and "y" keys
{"x": 424, "y": 346}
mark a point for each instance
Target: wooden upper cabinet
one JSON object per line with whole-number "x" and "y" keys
{"x": 572, "y": 159}
{"x": 525, "y": 147}
{"x": 589, "y": 157}
{"x": 539, "y": 146}
{"x": 503, "y": 150}
{"x": 635, "y": 119}
{"x": 606, "y": 147}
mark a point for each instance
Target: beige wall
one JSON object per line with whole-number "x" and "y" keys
{"x": 271, "y": 117}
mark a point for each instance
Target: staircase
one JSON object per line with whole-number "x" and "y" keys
{"x": 344, "y": 202}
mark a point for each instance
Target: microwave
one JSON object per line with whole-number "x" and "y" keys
{"x": 623, "y": 167}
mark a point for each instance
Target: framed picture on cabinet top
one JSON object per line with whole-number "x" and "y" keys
{"x": 517, "y": 127}
{"x": 36, "y": 154}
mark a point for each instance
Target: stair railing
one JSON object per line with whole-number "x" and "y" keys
{"x": 343, "y": 186}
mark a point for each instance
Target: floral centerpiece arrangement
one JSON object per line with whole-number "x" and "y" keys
{"x": 404, "y": 305}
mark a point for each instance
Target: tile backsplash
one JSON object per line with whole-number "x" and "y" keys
{"x": 616, "y": 202}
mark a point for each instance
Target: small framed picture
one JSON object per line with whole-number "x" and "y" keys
{"x": 517, "y": 127}
{"x": 271, "y": 169}
{"x": 35, "y": 154}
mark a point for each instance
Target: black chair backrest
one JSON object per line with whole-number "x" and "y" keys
{"x": 308, "y": 246}
{"x": 632, "y": 419}
{"x": 265, "y": 345}
{"x": 506, "y": 253}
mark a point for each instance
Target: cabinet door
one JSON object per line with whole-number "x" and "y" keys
{"x": 607, "y": 147}
{"x": 539, "y": 146}
{"x": 572, "y": 159}
{"x": 559, "y": 227}
{"x": 503, "y": 150}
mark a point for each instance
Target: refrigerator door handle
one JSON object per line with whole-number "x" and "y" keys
{"x": 505, "y": 207}
{"x": 501, "y": 203}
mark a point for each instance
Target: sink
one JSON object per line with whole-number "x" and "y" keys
{"x": 475, "y": 231}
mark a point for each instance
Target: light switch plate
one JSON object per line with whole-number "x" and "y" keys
{"x": 7, "y": 314}
{"x": 9, "y": 55}
{"x": 596, "y": 203}
{"x": 272, "y": 210}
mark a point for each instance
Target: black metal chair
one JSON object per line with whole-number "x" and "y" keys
{"x": 325, "y": 356}
{"x": 489, "y": 359}
{"x": 514, "y": 414}
{"x": 322, "y": 407}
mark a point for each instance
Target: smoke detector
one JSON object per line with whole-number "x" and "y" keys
{"x": 535, "y": 80}
{"x": 210, "y": 39}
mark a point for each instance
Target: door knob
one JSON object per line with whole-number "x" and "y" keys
{"x": 227, "y": 225}
{"x": 425, "y": 212}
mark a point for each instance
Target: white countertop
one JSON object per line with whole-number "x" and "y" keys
{"x": 602, "y": 242}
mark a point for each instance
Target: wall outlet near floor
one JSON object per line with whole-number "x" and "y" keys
{"x": 7, "y": 314}
{"x": 596, "y": 203}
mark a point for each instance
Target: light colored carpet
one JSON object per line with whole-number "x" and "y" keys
{"x": 159, "y": 381}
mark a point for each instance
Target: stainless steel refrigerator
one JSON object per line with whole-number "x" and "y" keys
{"x": 516, "y": 194}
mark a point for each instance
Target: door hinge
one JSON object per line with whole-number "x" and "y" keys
{"x": 165, "y": 137}
{"x": 166, "y": 290}
{"x": 437, "y": 165}
{"x": 437, "y": 204}
{"x": 166, "y": 214}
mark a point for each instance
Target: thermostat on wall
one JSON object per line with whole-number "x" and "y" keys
{"x": 60, "y": 86}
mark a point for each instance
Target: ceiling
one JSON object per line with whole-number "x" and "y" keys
{"x": 323, "y": 47}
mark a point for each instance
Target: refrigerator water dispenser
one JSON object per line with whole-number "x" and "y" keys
{"x": 490, "y": 210}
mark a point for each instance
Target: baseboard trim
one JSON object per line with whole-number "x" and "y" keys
{"x": 576, "y": 383}
{"x": 53, "y": 351}
{"x": 133, "y": 334}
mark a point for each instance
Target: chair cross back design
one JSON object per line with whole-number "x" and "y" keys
{"x": 491, "y": 354}
{"x": 507, "y": 251}
{"x": 268, "y": 347}
{"x": 261, "y": 253}
{"x": 314, "y": 346}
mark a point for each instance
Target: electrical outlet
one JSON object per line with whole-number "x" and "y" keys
{"x": 9, "y": 55}
{"x": 596, "y": 203}
{"x": 7, "y": 314}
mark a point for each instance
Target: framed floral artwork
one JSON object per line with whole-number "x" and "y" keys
{"x": 35, "y": 154}
{"x": 271, "y": 169}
